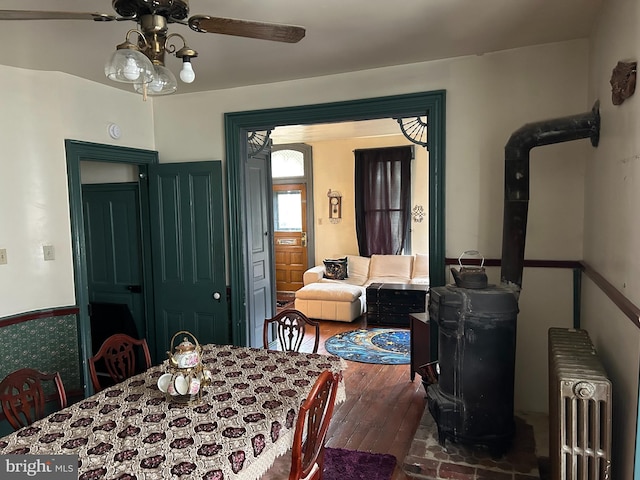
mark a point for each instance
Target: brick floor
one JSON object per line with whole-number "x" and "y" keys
{"x": 428, "y": 460}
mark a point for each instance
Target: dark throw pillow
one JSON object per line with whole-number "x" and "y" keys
{"x": 335, "y": 269}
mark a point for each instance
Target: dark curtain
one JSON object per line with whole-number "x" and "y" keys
{"x": 383, "y": 199}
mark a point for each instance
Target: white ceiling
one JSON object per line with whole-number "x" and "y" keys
{"x": 341, "y": 36}
{"x": 334, "y": 131}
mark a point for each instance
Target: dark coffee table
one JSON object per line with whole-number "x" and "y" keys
{"x": 391, "y": 303}
{"x": 419, "y": 342}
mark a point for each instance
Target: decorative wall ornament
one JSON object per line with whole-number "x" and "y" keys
{"x": 623, "y": 81}
{"x": 257, "y": 141}
{"x": 335, "y": 206}
{"x": 414, "y": 129}
{"x": 417, "y": 213}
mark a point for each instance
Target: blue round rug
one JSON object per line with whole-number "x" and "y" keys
{"x": 388, "y": 346}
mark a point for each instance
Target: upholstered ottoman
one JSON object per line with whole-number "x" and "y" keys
{"x": 330, "y": 301}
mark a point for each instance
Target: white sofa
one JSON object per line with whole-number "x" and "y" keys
{"x": 345, "y": 300}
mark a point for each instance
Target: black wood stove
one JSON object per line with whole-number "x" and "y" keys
{"x": 473, "y": 400}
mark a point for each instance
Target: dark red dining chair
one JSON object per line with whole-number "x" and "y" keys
{"x": 291, "y": 326}
{"x": 23, "y": 397}
{"x": 307, "y": 452}
{"x": 117, "y": 356}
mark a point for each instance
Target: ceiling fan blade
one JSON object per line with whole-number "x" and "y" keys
{"x": 44, "y": 15}
{"x": 245, "y": 28}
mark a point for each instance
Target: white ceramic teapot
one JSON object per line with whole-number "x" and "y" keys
{"x": 186, "y": 354}
{"x": 186, "y": 376}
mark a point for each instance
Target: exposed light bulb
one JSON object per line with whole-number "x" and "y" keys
{"x": 163, "y": 82}
{"x": 187, "y": 75}
{"x": 131, "y": 70}
{"x": 156, "y": 84}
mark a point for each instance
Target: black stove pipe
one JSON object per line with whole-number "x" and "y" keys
{"x": 516, "y": 181}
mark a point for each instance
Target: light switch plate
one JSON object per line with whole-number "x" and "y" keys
{"x": 49, "y": 252}
{"x": 3, "y": 256}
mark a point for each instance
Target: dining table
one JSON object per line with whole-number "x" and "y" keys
{"x": 243, "y": 421}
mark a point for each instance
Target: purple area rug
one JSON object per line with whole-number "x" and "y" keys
{"x": 341, "y": 464}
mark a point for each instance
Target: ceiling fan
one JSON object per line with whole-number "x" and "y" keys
{"x": 142, "y": 63}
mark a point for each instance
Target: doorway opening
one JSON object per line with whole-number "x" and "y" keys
{"x": 237, "y": 125}
{"x": 77, "y": 153}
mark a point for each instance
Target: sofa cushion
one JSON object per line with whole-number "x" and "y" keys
{"x": 329, "y": 291}
{"x": 335, "y": 269}
{"x": 396, "y": 267}
{"x": 420, "y": 265}
{"x": 358, "y": 269}
{"x": 358, "y": 281}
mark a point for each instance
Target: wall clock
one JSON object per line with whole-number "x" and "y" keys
{"x": 335, "y": 205}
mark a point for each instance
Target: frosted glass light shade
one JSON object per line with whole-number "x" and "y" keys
{"x": 129, "y": 66}
{"x": 164, "y": 82}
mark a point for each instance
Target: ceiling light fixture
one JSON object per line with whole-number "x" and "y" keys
{"x": 142, "y": 64}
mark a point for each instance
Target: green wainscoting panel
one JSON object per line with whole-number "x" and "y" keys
{"x": 48, "y": 344}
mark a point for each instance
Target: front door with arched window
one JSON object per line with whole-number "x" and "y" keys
{"x": 292, "y": 214}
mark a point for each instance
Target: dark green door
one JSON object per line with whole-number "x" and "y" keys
{"x": 187, "y": 244}
{"x": 112, "y": 236}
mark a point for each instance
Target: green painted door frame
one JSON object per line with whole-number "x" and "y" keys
{"x": 237, "y": 124}
{"x": 76, "y": 152}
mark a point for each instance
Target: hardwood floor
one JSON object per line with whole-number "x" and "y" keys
{"x": 381, "y": 413}
{"x": 383, "y": 410}
{"x": 383, "y": 407}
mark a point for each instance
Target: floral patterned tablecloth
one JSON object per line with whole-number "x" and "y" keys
{"x": 131, "y": 431}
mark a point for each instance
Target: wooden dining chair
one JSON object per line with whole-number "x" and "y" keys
{"x": 290, "y": 330}
{"x": 117, "y": 355}
{"x": 307, "y": 452}
{"x": 23, "y": 397}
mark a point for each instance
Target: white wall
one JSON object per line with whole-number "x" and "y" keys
{"x": 612, "y": 226}
{"x": 34, "y": 202}
{"x": 333, "y": 168}
{"x": 488, "y": 97}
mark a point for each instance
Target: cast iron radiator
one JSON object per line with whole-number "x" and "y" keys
{"x": 579, "y": 408}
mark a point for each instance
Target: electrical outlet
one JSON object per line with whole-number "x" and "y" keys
{"x": 3, "y": 256}
{"x": 49, "y": 252}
